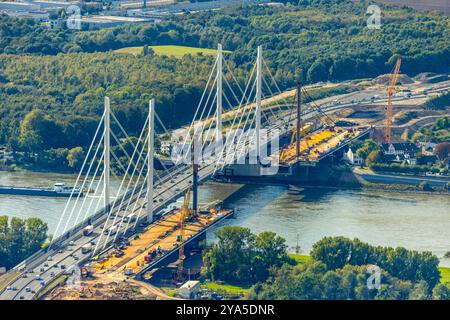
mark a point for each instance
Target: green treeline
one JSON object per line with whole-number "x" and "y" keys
{"x": 324, "y": 39}
{"x": 20, "y": 238}
{"x": 339, "y": 268}
{"x": 56, "y": 102}
{"x": 336, "y": 252}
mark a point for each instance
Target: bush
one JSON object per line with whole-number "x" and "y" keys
{"x": 425, "y": 186}
{"x": 402, "y": 168}
{"x": 438, "y": 102}
{"x": 404, "y": 264}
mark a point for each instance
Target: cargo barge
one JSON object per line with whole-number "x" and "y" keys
{"x": 58, "y": 190}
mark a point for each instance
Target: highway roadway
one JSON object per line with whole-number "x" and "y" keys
{"x": 62, "y": 258}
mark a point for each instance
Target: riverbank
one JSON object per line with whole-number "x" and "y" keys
{"x": 412, "y": 219}
{"x": 400, "y": 179}
{"x": 408, "y": 189}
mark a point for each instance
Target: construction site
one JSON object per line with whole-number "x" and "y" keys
{"x": 157, "y": 258}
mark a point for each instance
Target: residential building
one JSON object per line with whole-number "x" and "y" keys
{"x": 189, "y": 289}
{"x": 352, "y": 158}
{"x": 400, "y": 148}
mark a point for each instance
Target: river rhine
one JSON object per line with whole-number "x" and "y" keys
{"x": 415, "y": 221}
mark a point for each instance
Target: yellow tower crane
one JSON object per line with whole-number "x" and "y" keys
{"x": 390, "y": 92}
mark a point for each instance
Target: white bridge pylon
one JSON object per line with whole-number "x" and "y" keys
{"x": 118, "y": 177}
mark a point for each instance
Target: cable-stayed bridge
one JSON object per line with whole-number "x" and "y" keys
{"x": 246, "y": 132}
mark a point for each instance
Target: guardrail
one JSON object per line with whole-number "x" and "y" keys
{"x": 174, "y": 250}
{"x": 104, "y": 210}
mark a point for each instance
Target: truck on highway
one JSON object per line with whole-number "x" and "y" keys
{"x": 111, "y": 230}
{"x": 86, "y": 248}
{"x": 88, "y": 230}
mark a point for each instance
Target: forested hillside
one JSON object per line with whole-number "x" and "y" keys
{"x": 59, "y": 73}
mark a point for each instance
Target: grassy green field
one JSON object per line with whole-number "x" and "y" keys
{"x": 176, "y": 51}
{"x": 300, "y": 258}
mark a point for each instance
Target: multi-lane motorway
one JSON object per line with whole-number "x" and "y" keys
{"x": 63, "y": 258}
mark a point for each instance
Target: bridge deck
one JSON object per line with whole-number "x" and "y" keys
{"x": 318, "y": 144}
{"x": 162, "y": 234}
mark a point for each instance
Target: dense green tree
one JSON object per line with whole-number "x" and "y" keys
{"x": 75, "y": 157}
{"x": 441, "y": 292}
{"x": 317, "y": 72}
{"x": 368, "y": 146}
{"x": 375, "y": 156}
{"x": 442, "y": 151}
{"x": 19, "y": 239}
{"x": 38, "y": 130}
{"x": 333, "y": 251}
{"x": 231, "y": 258}
{"x": 270, "y": 251}
{"x": 240, "y": 256}
{"x": 336, "y": 252}
{"x": 420, "y": 292}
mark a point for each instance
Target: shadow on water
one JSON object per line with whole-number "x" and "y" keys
{"x": 400, "y": 198}
{"x": 253, "y": 198}
{"x": 313, "y": 194}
